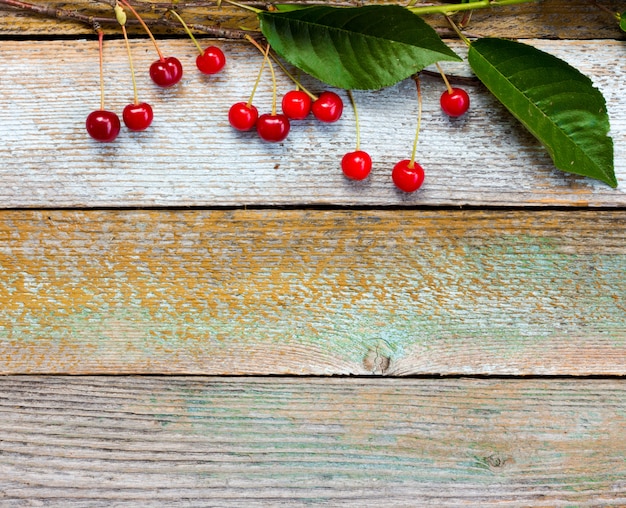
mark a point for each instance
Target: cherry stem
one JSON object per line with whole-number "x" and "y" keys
{"x": 242, "y": 6}
{"x": 468, "y": 6}
{"x": 145, "y": 27}
{"x": 419, "y": 119}
{"x": 186, "y": 27}
{"x": 356, "y": 120}
{"x": 458, "y": 32}
{"x": 266, "y": 58}
{"x": 101, "y": 52}
{"x": 445, "y": 79}
{"x": 295, "y": 80}
{"x": 258, "y": 78}
{"x": 130, "y": 63}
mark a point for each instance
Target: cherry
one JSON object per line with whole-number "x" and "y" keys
{"x": 138, "y": 117}
{"x": 166, "y": 72}
{"x": 328, "y": 107}
{"x": 408, "y": 175}
{"x": 273, "y": 127}
{"x": 356, "y": 165}
{"x": 211, "y": 61}
{"x": 103, "y": 125}
{"x": 455, "y": 102}
{"x": 296, "y": 104}
{"x": 243, "y": 116}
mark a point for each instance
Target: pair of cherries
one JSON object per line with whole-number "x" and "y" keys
{"x": 103, "y": 125}
{"x": 296, "y": 105}
{"x": 407, "y": 175}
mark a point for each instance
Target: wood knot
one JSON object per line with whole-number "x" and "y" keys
{"x": 377, "y": 360}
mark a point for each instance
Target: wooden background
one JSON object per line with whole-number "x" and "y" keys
{"x": 192, "y": 317}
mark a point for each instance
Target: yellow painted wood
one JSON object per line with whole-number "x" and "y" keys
{"x": 265, "y": 291}
{"x": 544, "y": 19}
{"x": 262, "y": 442}
{"x": 191, "y": 156}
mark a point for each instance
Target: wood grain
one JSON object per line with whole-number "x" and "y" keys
{"x": 391, "y": 292}
{"x": 192, "y": 157}
{"x": 573, "y": 19}
{"x": 311, "y": 442}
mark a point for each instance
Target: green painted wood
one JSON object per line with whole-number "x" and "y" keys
{"x": 338, "y": 442}
{"x": 390, "y": 292}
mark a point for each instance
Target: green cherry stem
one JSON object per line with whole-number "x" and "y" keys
{"x": 241, "y": 6}
{"x": 145, "y": 27}
{"x": 356, "y": 120}
{"x": 101, "y": 51}
{"x": 467, "y": 42}
{"x": 132, "y": 67}
{"x": 445, "y": 78}
{"x": 293, "y": 78}
{"x": 419, "y": 119}
{"x": 265, "y": 53}
{"x": 265, "y": 59}
{"x": 469, "y": 6}
{"x": 186, "y": 27}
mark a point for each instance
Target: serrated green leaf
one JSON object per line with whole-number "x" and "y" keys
{"x": 367, "y": 47}
{"x": 557, "y": 103}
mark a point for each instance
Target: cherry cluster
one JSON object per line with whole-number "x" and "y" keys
{"x": 296, "y": 105}
{"x": 104, "y": 125}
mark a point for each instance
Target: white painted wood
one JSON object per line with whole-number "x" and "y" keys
{"x": 192, "y": 157}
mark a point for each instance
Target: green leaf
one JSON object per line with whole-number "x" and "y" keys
{"x": 367, "y": 47}
{"x": 557, "y": 103}
{"x": 622, "y": 21}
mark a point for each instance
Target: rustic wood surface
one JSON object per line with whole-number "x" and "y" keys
{"x": 313, "y": 292}
{"x": 312, "y": 442}
{"x": 192, "y": 157}
{"x": 190, "y": 250}
{"x": 549, "y": 19}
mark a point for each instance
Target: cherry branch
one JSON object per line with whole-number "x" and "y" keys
{"x": 95, "y": 21}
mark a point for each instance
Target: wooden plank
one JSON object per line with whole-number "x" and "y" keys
{"x": 192, "y": 157}
{"x": 312, "y": 442}
{"x": 566, "y": 19}
{"x": 391, "y": 292}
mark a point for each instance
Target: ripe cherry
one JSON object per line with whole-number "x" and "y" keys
{"x": 243, "y": 116}
{"x": 211, "y": 61}
{"x": 138, "y": 117}
{"x": 356, "y": 165}
{"x": 103, "y": 125}
{"x": 455, "y": 102}
{"x": 166, "y": 72}
{"x": 328, "y": 107}
{"x": 273, "y": 127}
{"x": 408, "y": 175}
{"x": 296, "y": 104}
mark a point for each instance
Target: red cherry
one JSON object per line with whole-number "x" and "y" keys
{"x": 211, "y": 61}
{"x": 356, "y": 165}
{"x": 273, "y": 127}
{"x": 328, "y": 107}
{"x": 103, "y": 125}
{"x": 296, "y": 104}
{"x": 138, "y": 117}
{"x": 408, "y": 176}
{"x": 166, "y": 72}
{"x": 455, "y": 103}
{"x": 243, "y": 116}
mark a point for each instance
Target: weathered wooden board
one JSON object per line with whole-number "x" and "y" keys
{"x": 567, "y": 19}
{"x": 313, "y": 292}
{"x": 311, "y": 442}
{"x": 192, "y": 157}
